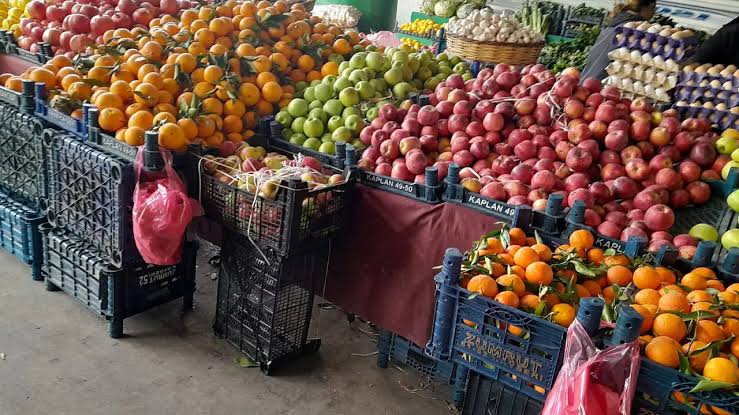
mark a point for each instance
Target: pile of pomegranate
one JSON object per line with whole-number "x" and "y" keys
{"x": 520, "y": 136}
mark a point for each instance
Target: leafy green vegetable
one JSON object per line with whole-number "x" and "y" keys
{"x": 560, "y": 55}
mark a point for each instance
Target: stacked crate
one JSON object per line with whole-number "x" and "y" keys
{"x": 89, "y": 248}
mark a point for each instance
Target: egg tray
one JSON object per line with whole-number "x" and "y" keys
{"x": 724, "y": 119}
{"x": 667, "y": 84}
{"x": 716, "y": 95}
{"x": 627, "y": 92}
{"x": 700, "y": 77}
{"x": 668, "y": 48}
{"x": 614, "y": 56}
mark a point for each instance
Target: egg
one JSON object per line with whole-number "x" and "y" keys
{"x": 721, "y": 106}
{"x": 638, "y": 71}
{"x": 649, "y": 75}
{"x": 682, "y": 103}
{"x": 649, "y": 90}
{"x": 715, "y": 70}
{"x": 635, "y": 56}
{"x": 727, "y": 85}
{"x": 708, "y": 104}
{"x": 627, "y": 69}
{"x": 627, "y": 84}
{"x": 671, "y": 65}
{"x": 638, "y": 87}
{"x": 695, "y": 104}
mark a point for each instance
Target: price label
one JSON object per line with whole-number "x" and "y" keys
{"x": 492, "y": 206}
{"x": 610, "y": 244}
{"x": 398, "y": 185}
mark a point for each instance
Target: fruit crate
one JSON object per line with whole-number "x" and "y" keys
{"x": 429, "y": 191}
{"x": 12, "y": 48}
{"x": 76, "y": 267}
{"x": 486, "y": 396}
{"x": 21, "y": 157}
{"x": 278, "y": 141}
{"x": 22, "y": 101}
{"x": 57, "y": 118}
{"x": 551, "y": 221}
{"x": 90, "y": 193}
{"x": 19, "y": 234}
{"x": 265, "y": 300}
{"x": 391, "y": 346}
{"x": 294, "y": 219}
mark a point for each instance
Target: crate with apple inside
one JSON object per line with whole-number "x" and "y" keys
{"x": 287, "y": 204}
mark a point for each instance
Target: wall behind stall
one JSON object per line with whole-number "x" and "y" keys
{"x": 405, "y": 7}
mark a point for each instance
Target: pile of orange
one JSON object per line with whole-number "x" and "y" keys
{"x": 695, "y": 315}
{"x": 205, "y": 77}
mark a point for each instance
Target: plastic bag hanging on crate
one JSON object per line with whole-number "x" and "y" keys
{"x": 594, "y": 381}
{"x": 161, "y": 207}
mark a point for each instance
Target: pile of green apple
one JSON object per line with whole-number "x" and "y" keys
{"x": 728, "y": 145}
{"x": 337, "y": 108}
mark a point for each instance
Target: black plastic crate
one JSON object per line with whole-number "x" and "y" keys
{"x": 294, "y": 220}
{"x": 58, "y": 119}
{"x": 265, "y": 300}
{"x": 489, "y": 397}
{"x": 90, "y": 193}
{"x": 19, "y": 233}
{"x": 77, "y": 268}
{"x": 21, "y": 157}
{"x": 23, "y": 101}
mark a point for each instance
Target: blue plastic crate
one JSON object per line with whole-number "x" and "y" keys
{"x": 57, "y": 118}
{"x": 488, "y": 397}
{"x": 19, "y": 234}
{"x": 661, "y": 390}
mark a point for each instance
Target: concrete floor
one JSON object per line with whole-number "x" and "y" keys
{"x": 56, "y": 358}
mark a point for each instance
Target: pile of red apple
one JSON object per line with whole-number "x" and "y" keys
{"x": 523, "y": 135}
{"x": 70, "y": 26}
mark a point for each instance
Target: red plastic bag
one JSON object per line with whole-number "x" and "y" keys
{"x": 161, "y": 212}
{"x": 594, "y": 381}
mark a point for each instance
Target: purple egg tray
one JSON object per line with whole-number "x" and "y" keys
{"x": 697, "y": 78}
{"x": 668, "y": 48}
{"x": 704, "y": 94}
{"x": 724, "y": 119}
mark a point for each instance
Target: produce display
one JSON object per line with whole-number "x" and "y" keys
{"x": 451, "y": 8}
{"x": 711, "y": 91}
{"x": 690, "y": 321}
{"x": 487, "y": 26}
{"x": 188, "y": 78}
{"x": 11, "y": 13}
{"x": 559, "y": 56}
{"x": 534, "y": 16}
{"x": 335, "y": 109}
{"x": 658, "y": 40}
{"x": 338, "y": 15}
{"x": 421, "y": 27}
{"x": 71, "y": 27}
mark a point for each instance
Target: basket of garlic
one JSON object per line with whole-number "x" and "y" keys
{"x": 489, "y": 37}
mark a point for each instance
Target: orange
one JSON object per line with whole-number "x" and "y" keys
{"x": 206, "y": 37}
{"x": 517, "y": 236}
{"x": 111, "y": 119}
{"x": 619, "y": 275}
{"x": 734, "y": 288}
{"x": 60, "y": 61}
{"x": 212, "y": 106}
{"x": 720, "y": 369}
{"x": 647, "y": 315}
{"x": 669, "y": 325}
{"x": 545, "y": 254}
{"x": 232, "y": 124}
{"x": 581, "y": 239}
{"x": 80, "y": 90}
{"x": 342, "y": 46}
{"x": 646, "y": 277}
{"x": 582, "y": 292}
{"x": 596, "y": 255}
{"x": 265, "y": 77}
{"x": 271, "y": 91}
{"x": 616, "y": 260}
{"x": 715, "y": 284}
{"x": 249, "y": 94}
{"x": 508, "y": 298}
{"x": 609, "y": 294}
{"x": 728, "y": 297}
{"x": 43, "y": 75}
{"x": 539, "y": 273}
{"x": 141, "y": 119}
{"x": 165, "y": 108}
{"x": 731, "y": 326}
{"x": 484, "y": 285}
{"x": 122, "y": 75}
{"x": 172, "y": 136}
{"x": 146, "y": 94}
{"x": 206, "y": 126}
{"x": 530, "y": 302}
{"x": 694, "y": 281}
{"x": 264, "y": 108}
{"x": 698, "y": 361}
{"x": 671, "y": 289}
{"x": 698, "y": 296}
{"x": 708, "y": 331}
{"x": 234, "y": 107}
{"x": 134, "y": 108}
{"x": 525, "y": 257}
{"x": 666, "y": 275}
{"x": 329, "y": 68}
{"x": 651, "y": 307}
{"x": 735, "y": 347}
{"x": 705, "y": 306}
{"x": 664, "y": 350}
{"x": 647, "y": 296}
{"x": 516, "y": 270}
{"x": 108, "y": 100}
{"x": 123, "y": 90}
{"x": 673, "y": 301}
{"x": 134, "y": 136}
{"x": 513, "y": 283}
{"x": 152, "y": 51}
{"x": 563, "y": 314}
{"x": 704, "y": 272}
{"x": 69, "y": 80}
{"x": 593, "y": 288}
{"x": 163, "y": 118}
{"x": 189, "y": 128}
{"x": 120, "y": 135}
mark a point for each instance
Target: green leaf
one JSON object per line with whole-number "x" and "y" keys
{"x": 705, "y": 385}
{"x": 583, "y": 269}
{"x": 684, "y": 364}
{"x": 712, "y": 291}
{"x": 489, "y": 265}
{"x": 93, "y": 82}
{"x": 684, "y": 287}
{"x": 473, "y": 296}
{"x": 541, "y": 308}
{"x": 696, "y": 315}
{"x": 245, "y": 362}
{"x": 141, "y": 95}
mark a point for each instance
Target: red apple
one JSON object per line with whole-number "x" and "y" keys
{"x": 659, "y": 218}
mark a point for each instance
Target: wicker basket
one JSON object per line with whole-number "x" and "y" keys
{"x": 493, "y": 52}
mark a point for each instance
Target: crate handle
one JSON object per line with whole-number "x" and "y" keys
{"x": 446, "y": 304}
{"x": 628, "y": 326}
{"x": 731, "y": 262}
{"x": 589, "y": 312}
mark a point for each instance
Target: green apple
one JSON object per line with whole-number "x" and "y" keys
{"x": 417, "y": 83}
{"x": 343, "y": 65}
{"x": 342, "y": 134}
{"x": 313, "y": 127}
{"x": 329, "y": 80}
{"x": 726, "y": 145}
{"x": 324, "y": 92}
{"x": 315, "y": 104}
{"x": 358, "y": 61}
{"x": 297, "y": 125}
{"x": 284, "y": 118}
{"x": 393, "y": 76}
{"x": 375, "y": 60}
{"x": 460, "y": 68}
{"x": 407, "y": 73}
{"x": 378, "y": 84}
{"x": 287, "y": 132}
{"x": 372, "y": 113}
{"x": 401, "y": 90}
{"x": 350, "y": 111}
{"x": 442, "y": 57}
{"x": 309, "y": 94}
{"x": 735, "y": 155}
{"x": 327, "y": 148}
{"x": 704, "y": 232}
{"x": 319, "y": 114}
{"x": 333, "y": 107}
{"x": 414, "y": 63}
{"x": 354, "y": 123}
{"x": 335, "y": 122}
{"x": 358, "y": 76}
{"x": 301, "y": 85}
{"x": 315, "y": 82}
{"x": 297, "y": 107}
{"x": 730, "y": 239}
{"x": 365, "y": 90}
{"x": 298, "y": 139}
{"x": 467, "y": 76}
{"x": 455, "y": 60}
{"x": 400, "y": 56}
{"x": 312, "y": 143}
{"x": 336, "y": 58}
{"x": 733, "y": 200}
{"x": 342, "y": 83}
{"x": 358, "y": 144}
{"x": 423, "y": 74}
{"x": 326, "y": 138}
{"x": 349, "y": 97}
{"x": 727, "y": 168}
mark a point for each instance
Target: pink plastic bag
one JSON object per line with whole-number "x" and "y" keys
{"x": 161, "y": 212}
{"x": 594, "y": 381}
